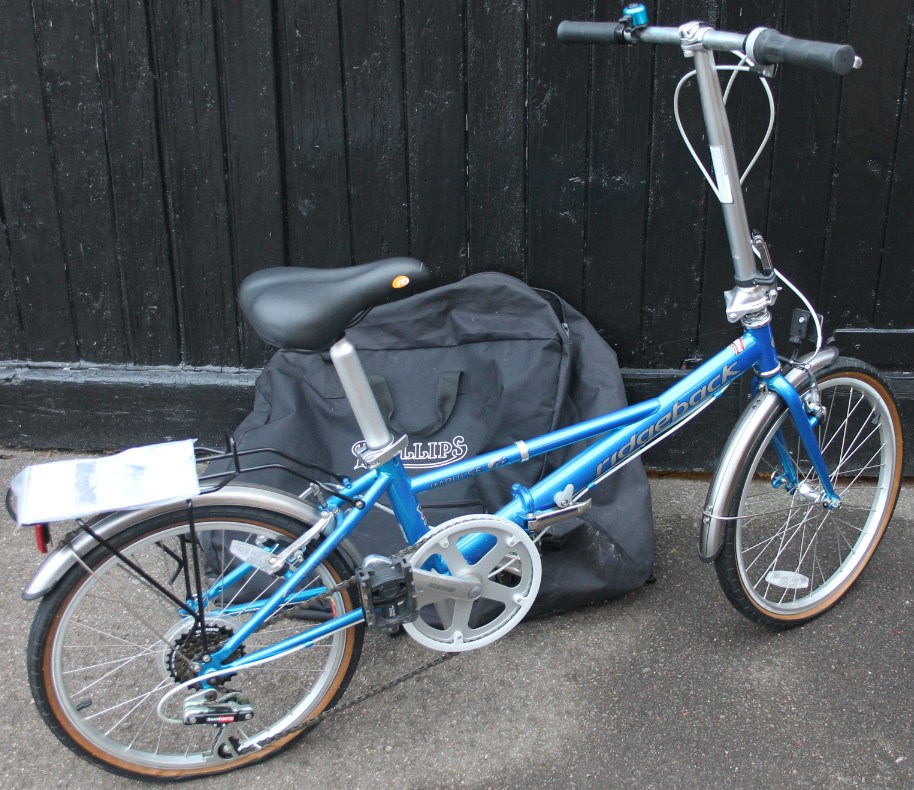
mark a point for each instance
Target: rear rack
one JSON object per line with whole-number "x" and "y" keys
{"x": 243, "y": 462}
{"x": 283, "y": 462}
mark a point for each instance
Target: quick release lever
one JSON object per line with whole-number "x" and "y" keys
{"x": 761, "y": 250}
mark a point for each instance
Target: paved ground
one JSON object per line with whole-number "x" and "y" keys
{"x": 666, "y": 688}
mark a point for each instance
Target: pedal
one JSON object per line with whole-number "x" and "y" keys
{"x": 387, "y": 590}
{"x": 258, "y": 557}
{"x": 209, "y": 707}
{"x": 273, "y": 562}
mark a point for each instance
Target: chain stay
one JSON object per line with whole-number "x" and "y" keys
{"x": 313, "y": 722}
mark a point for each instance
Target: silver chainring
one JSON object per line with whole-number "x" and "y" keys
{"x": 506, "y": 580}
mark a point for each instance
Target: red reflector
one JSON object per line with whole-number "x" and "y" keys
{"x": 42, "y": 537}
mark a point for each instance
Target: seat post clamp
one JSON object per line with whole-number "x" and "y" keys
{"x": 375, "y": 458}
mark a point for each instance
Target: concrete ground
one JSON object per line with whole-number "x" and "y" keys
{"x": 665, "y": 688}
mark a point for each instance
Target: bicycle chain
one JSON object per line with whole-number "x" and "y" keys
{"x": 308, "y": 723}
{"x": 364, "y": 696}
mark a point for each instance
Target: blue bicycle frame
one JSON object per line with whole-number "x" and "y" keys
{"x": 625, "y": 434}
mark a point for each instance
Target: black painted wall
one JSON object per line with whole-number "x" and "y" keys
{"x": 154, "y": 152}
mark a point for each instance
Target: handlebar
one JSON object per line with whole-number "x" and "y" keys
{"x": 765, "y": 46}
{"x": 591, "y": 33}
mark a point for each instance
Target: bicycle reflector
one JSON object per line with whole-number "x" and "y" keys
{"x": 43, "y": 537}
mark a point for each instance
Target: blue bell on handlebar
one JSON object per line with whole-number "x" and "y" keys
{"x": 635, "y": 14}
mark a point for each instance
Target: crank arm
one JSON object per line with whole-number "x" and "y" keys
{"x": 439, "y": 585}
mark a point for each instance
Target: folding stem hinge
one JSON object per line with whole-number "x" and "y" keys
{"x": 760, "y": 248}
{"x": 743, "y": 301}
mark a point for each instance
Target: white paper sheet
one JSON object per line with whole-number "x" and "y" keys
{"x": 140, "y": 476}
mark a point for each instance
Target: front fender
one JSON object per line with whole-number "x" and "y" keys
{"x": 62, "y": 559}
{"x": 730, "y": 466}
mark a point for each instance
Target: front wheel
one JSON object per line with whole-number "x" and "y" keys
{"x": 786, "y": 558}
{"x": 107, "y": 645}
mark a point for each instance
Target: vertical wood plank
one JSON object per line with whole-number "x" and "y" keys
{"x": 317, "y": 203}
{"x": 69, "y": 72}
{"x": 244, "y": 36}
{"x": 376, "y": 135}
{"x": 618, "y": 193}
{"x": 134, "y": 157}
{"x": 678, "y": 207}
{"x": 496, "y": 70}
{"x": 12, "y": 345}
{"x": 557, "y": 123}
{"x": 436, "y": 134}
{"x": 185, "y": 64}
{"x": 895, "y": 302}
{"x": 29, "y": 201}
{"x": 866, "y": 146}
{"x": 803, "y": 156}
{"x": 747, "y": 109}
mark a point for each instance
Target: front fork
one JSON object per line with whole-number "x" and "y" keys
{"x": 805, "y": 417}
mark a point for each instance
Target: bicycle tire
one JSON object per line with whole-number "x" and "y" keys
{"x": 100, "y": 661}
{"x": 786, "y": 559}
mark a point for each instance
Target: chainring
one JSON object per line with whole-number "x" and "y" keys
{"x": 507, "y": 576}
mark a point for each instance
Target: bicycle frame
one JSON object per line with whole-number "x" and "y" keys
{"x": 625, "y": 434}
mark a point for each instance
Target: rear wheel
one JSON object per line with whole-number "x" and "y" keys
{"x": 106, "y": 646}
{"x": 786, "y": 558}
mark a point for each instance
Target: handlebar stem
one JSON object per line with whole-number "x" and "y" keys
{"x": 723, "y": 156}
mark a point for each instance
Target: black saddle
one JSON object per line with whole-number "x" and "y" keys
{"x": 308, "y": 309}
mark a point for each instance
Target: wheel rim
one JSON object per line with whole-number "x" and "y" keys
{"x": 794, "y": 557}
{"x": 109, "y": 666}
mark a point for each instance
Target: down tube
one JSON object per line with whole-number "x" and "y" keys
{"x": 676, "y": 404}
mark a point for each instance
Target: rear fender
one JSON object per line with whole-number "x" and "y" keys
{"x": 62, "y": 559}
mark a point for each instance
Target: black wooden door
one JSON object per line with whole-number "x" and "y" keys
{"x": 154, "y": 153}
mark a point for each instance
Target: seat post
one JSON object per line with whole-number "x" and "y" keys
{"x": 358, "y": 392}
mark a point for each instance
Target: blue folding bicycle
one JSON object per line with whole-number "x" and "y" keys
{"x": 189, "y": 639}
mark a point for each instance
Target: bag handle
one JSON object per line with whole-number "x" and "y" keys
{"x": 449, "y": 387}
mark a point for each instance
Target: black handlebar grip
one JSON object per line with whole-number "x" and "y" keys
{"x": 766, "y": 46}
{"x": 591, "y": 33}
